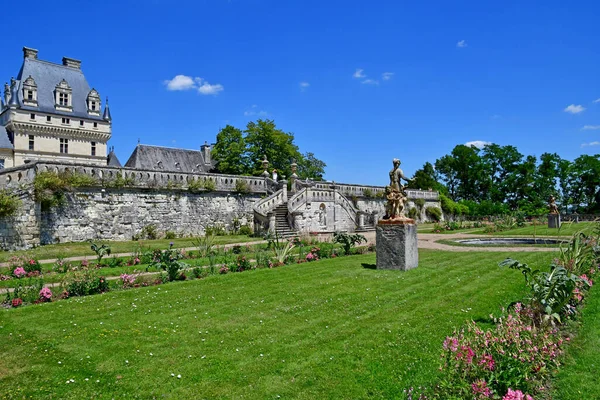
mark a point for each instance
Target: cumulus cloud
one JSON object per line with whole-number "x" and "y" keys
{"x": 590, "y": 144}
{"x": 180, "y": 82}
{"x": 304, "y": 86}
{"x": 359, "y": 73}
{"x": 184, "y": 82}
{"x": 597, "y": 101}
{"x": 386, "y": 76}
{"x": 590, "y": 127}
{"x": 574, "y": 109}
{"x": 480, "y": 144}
{"x": 461, "y": 44}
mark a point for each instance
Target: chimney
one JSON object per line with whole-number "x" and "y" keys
{"x": 71, "y": 62}
{"x": 205, "y": 148}
{"x": 30, "y": 53}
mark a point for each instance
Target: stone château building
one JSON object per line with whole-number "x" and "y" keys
{"x": 50, "y": 113}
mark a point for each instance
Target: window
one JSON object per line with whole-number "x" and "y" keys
{"x": 48, "y": 118}
{"x": 93, "y": 108}
{"x": 63, "y": 99}
{"x": 95, "y": 124}
{"x": 32, "y": 116}
{"x": 81, "y": 123}
{"x": 64, "y": 146}
{"x": 93, "y": 148}
{"x": 30, "y": 95}
{"x": 66, "y": 121}
{"x": 31, "y": 141}
{"x": 1, "y": 163}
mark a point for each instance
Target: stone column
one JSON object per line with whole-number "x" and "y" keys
{"x": 285, "y": 191}
{"x": 361, "y": 220}
{"x": 272, "y": 225}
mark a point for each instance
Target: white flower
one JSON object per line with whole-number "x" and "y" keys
{"x": 178, "y": 376}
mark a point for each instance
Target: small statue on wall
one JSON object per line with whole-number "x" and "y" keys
{"x": 394, "y": 193}
{"x": 322, "y": 215}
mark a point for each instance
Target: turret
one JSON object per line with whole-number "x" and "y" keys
{"x": 106, "y": 116}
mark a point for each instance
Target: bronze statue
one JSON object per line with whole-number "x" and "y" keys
{"x": 552, "y": 206}
{"x": 394, "y": 193}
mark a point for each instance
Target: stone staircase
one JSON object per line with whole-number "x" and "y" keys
{"x": 281, "y": 222}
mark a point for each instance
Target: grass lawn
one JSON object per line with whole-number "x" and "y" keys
{"x": 578, "y": 378}
{"x": 567, "y": 229}
{"x": 52, "y": 251}
{"x": 327, "y": 329}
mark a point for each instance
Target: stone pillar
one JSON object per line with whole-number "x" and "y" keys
{"x": 361, "y": 220}
{"x": 553, "y": 221}
{"x": 285, "y": 191}
{"x": 396, "y": 242}
{"x": 297, "y": 218}
{"x": 272, "y": 225}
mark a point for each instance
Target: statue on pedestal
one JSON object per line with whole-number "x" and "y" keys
{"x": 394, "y": 193}
{"x": 552, "y": 206}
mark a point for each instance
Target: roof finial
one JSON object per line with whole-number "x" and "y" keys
{"x": 106, "y": 115}
{"x": 14, "y": 100}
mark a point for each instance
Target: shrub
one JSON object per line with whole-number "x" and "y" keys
{"x": 205, "y": 245}
{"x": 19, "y": 272}
{"x": 128, "y": 280}
{"x": 413, "y": 213}
{"x": 241, "y": 186}
{"x": 45, "y": 294}
{"x": 9, "y": 204}
{"x": 32, "y": 265}
{"x": 348, "y": 241}
{"x": 209, "y": 185}
{"x": 241, "y": 264}
{"x": 434, "y": 213}
{"x": 245, "y": 230}
{"x": 168, "y": 261}
{"x": 420, "y": 203}
{"x": 368, "y": 193}
{"x": 170, "y": 235}
{"x": 49, "y": 189}
{"x": 120, "y": 181}
{"x": 149, "y": 232}
{"x": 195, "y": 185}
{"x": 84, "y": 282}
{"x": 215, "y": 230}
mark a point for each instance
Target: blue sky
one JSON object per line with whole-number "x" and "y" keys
{"x": 358, "y": 83}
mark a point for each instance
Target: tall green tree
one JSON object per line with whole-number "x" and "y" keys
{"x": 464, "y": 173}
{"x": 263, "y": 138}
{"x": 310, "y": 167}
{"x": 501, "y": 164}
{"x": 585, "y": 182}
{"x": 425, "y": 178}
{"x": 229, "y": 153}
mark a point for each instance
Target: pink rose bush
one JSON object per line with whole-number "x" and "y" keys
{"x": 19, "y": 272}
{"x": 46, "y": 294}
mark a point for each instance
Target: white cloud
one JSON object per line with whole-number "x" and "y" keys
{"x": 304, "y": 86}
{"x": 207, "y": 88}
{"x": 180, "y": 82}
{"x": 359, "y": 73}
{"x": 255, "y": 112}
{"x": 386, "y": 76}
{"x": 590, "y": 144}
{"x": 574, "y": 109}
{"x": 184, "y": 82}
{"x": 590, "y": 127}
{"x": 480, "y": 144}
{"x": 461, "y": 44}
{"x": 370, "y": 82}
{"x": 597, "y": 101}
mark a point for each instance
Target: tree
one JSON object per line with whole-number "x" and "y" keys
{"x": 464, "y": 173}
{"x": 263, "y": 138}
{"x": 425, "y": 178}
{"x": 229, "y": 152}
{"x": 584, "y": 182}
{"x": 310, "y": 167}
{"x": 500, "y": 164}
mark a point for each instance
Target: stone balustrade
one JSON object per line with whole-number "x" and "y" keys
{"x": 14, "y": 177}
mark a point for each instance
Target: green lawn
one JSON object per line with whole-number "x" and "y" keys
{"x": 83, "y": 248}
{"x": 567, "y": 229}
{"x": 328, "y": 329}
{"x": 578, "y": 378}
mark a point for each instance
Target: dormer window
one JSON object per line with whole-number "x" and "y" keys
{"x": 63, "y": 96}
{"x": 93, "y": 102}
{"x": 30, "y": 92}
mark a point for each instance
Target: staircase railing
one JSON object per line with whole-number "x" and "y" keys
{"x": 312, "y": 194}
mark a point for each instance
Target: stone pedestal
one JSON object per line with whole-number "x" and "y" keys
{"x": 553, "y": 220}
{"x": 396, "y": 242}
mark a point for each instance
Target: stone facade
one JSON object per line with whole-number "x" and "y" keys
{"x": 119, "y": 214}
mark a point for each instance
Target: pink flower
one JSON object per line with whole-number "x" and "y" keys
{"x": 46, "y": 294}
{"x": 480, "y": 387}
{"x": 516, "y": 395}
{"x": 19, "y": 272}
{"x": 16, "y": 302}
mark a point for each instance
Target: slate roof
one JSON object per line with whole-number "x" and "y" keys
{"x": 47, "y": 75}
{"x": 4, "y": 141}
{"x": 171, "y": 159}
{"x": 112, "y": 160}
